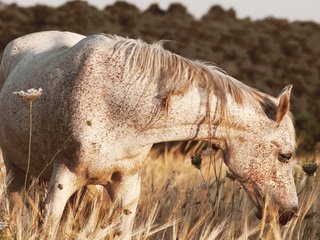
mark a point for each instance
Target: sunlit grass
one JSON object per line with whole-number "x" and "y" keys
{"x": 177, "y": 202}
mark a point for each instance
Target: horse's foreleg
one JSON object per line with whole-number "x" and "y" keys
{"x": 15, "y": 184}
{"x": 63, "y": 183}
{"x": 128, "y": 196}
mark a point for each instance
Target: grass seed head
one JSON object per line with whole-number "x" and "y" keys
{"x": 196, "y": 161}
{"x": 310, "y": 168}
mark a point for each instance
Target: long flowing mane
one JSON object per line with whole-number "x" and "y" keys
{"x": 175, "y": 74}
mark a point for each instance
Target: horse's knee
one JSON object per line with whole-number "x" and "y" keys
{"x": 16, "y": 201}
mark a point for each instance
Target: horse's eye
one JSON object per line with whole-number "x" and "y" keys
{"x": 284, "y": 158}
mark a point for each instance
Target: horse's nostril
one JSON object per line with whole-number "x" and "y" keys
{"x": 287, "y": 215}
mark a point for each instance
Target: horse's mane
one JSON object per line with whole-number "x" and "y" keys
{"x": 174, "y": 74}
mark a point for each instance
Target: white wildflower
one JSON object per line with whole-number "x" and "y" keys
{"x": 30, "y": 95}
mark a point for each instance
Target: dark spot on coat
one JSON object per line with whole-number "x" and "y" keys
{"x": 116, "y": 176}
{"x": 127, "y": 212}
{"x": 89, "y": 123}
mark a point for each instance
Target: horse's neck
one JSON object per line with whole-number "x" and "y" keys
{"x": 187, "y": 119}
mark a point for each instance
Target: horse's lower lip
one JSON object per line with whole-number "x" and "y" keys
{"x": 286, "y": 216}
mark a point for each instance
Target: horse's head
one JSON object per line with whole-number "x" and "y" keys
{"x": 261, "y": 156}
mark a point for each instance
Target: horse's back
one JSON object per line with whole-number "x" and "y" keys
{"x": 24, "y": 48}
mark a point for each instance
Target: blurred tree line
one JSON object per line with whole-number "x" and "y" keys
{"x": 267, "y": 54}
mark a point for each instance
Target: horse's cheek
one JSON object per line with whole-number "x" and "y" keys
{"x": 239, "y": 161}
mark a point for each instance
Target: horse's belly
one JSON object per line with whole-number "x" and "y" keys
{"x": 15, "y": 149}
{"x": 14, "y": 133}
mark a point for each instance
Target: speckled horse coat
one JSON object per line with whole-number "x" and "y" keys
{"x": 107, "y": 99}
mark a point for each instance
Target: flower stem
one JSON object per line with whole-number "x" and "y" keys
{"x": 304, "y": 185}
{"x": 29, "y": 149}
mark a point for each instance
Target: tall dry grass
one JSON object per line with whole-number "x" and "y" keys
{"x": 178, "y": 201}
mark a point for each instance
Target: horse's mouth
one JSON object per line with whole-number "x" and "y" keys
{"x": 257, "y": 197}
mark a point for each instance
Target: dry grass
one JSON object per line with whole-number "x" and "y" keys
{"x": 177, "y": 202}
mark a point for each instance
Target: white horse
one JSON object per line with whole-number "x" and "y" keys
{"x": 107, "y": 99}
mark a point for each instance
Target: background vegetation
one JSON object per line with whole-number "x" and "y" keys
{"x": 267, "y": 54}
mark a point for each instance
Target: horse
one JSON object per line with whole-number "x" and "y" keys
{"x": 107, "y": 99}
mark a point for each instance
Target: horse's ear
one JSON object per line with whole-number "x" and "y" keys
{"x": 284, "y": 103}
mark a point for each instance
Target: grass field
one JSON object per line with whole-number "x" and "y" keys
{"x": 178, "y": 201}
